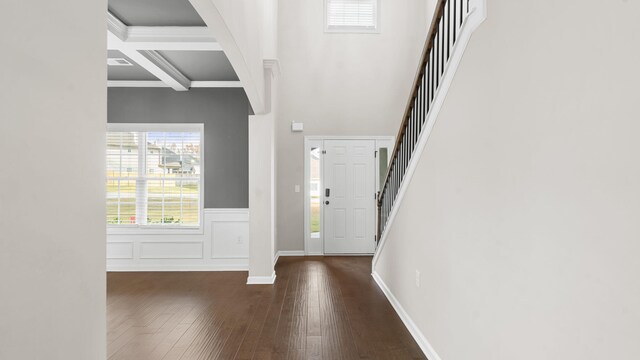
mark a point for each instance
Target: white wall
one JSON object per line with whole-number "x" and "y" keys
{"x": 52, "y": 219}
{"x": 522, "y": 216}
{"x": 338, "y": 84}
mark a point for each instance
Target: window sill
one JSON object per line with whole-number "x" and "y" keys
{"x": 151, "y": 230}
{"x": 351, "y": 30}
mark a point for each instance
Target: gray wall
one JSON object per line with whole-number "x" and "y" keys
{"x": 224, "y": 113}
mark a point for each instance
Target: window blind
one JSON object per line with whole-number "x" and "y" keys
{"x": 154, "y": 178}
{"x": 352, "y": 14}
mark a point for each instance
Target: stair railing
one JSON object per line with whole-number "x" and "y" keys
{"x": 445, "y": 30}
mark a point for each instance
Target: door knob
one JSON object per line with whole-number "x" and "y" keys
{"x": 326, "y": 202}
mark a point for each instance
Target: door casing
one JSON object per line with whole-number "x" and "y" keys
{"x": 316, "y": 246}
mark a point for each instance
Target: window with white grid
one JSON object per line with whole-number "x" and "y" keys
{"x": 351, "y": 15}
{"x": 154, "y": 175}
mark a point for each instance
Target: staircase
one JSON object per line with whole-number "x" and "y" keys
{"x": 453, "y": 23}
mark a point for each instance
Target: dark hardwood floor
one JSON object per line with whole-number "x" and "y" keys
{"x": 319, "y": 308}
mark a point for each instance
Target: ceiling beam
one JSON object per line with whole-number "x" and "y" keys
{"x": 189, "y": 38}
{"x": 150, "y": 60}
{"x": 194, "y": 84}
{"x": 137, "y": 83}
{"x": 182, "y": 38}
{"x": 216, "y": 84}
{"x": 153, "y": 63}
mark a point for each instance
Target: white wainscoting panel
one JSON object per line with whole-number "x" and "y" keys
{"x": 120, "y": 250}
{"x": 171, "y": 250}
{"x": 229, "y": 239}
{"x": 222, "y": 246}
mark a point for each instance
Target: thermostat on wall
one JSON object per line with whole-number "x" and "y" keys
{"x": 297, "y": 127}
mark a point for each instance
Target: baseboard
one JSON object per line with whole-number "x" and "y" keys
{"x": 418, "y": 336}
{"x": 291, "y": 253}
{"x": 302, "y": 253}
{"x": 258, "y": 280}
{"x": 137, "y": 268}
{"x": 346, "y": 255}
{"x": 287, "y": 253}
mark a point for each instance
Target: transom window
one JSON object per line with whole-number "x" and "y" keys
{"x": 351, "y": 15}
{"x": 154, "y": 175}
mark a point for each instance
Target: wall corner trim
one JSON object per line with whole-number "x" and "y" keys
{"x": 262, "y": 280}
{"x": 418, "y": 336}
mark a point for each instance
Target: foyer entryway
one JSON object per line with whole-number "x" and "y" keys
{"x": 342, "y": 179}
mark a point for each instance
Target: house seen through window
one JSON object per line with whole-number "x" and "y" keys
{"x": 154, "y": 175}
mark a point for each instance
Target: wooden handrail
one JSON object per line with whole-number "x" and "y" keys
{"x": 428, "y": 46}
{"x": 445, "y": 25}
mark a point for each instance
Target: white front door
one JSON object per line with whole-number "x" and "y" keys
{"x": 349, "y": 196}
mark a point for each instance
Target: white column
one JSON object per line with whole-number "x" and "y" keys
{"x": 262, "y": 187}
{"x": 261, "y": 200}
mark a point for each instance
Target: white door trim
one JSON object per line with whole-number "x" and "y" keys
{"x": 310, "y": 142}
{"x": 318, "y": 140}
